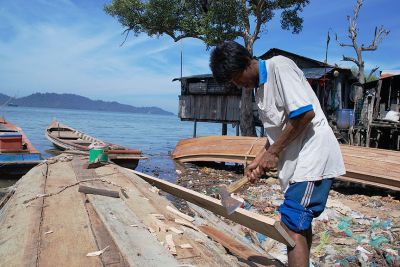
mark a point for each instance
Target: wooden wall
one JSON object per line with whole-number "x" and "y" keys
{"x": 217, "y": 108}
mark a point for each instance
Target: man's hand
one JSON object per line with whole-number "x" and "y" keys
{"x": 264, "y": 161}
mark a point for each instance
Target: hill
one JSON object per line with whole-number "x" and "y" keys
{"x": 72, "y": 101}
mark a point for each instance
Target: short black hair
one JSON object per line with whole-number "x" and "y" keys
{"x": 228, "y": 59}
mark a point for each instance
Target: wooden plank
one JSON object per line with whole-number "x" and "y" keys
{"x": 237, "y": 248}
{"x": 66, "y": 216}
{"x": 19, "y": 223}
{"x": 257, "y": 222}
{"x": 137, "y": 244}
{"x": 112, "y": 255}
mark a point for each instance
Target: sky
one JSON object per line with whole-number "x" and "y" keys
{"x": 73, "y": 46}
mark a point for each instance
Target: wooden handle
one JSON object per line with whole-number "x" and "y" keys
{"x": 232, "y": 188}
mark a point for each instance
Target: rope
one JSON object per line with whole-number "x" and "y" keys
{"x": 74, "y": 184}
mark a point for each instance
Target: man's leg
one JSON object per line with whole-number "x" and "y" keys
{"x": 303, "y": 201}
{"x": 299, "y": 256}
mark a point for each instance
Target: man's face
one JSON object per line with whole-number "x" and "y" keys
{"x": 248, "y": 78}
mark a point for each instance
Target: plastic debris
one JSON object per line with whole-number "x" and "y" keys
{"x": 363, "y": 255}
{"x": 376, "y": 241}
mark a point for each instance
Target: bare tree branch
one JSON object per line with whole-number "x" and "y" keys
{"x": 351, "y": 59}
{"x": 372, "y": 72}
{"x": 341, "y": 44}
{"x": 126, "y": 36}
{"x": 378, "y": 38}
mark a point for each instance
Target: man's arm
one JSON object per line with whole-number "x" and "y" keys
{"x": 268, "y": 157}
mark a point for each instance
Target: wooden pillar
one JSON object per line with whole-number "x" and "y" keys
{"x": 194, "y": 129}
{"x": 224, "y": 129}
{"x": 378, "y": 100}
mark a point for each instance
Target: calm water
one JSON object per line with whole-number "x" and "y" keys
{"x": 155, "y": 135}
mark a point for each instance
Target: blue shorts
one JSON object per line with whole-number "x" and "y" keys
{"x": 303, "y": 202}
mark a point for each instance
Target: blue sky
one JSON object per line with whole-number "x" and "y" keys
{"x": 72, "y": 46}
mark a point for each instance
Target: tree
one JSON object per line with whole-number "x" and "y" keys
{"x": 211, "y": 21}
{"x": 379, "y": 34}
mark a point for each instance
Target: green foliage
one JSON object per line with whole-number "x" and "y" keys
{"x": 211, "y": 21}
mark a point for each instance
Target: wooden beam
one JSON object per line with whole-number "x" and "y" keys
{"x": 237, "y": 248}
{"x": 264, "y": 225}
{"x": 98, "y": 191}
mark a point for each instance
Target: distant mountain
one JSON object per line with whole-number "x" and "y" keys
{"x": 71, "y": 101}
{"x": 3, "y": 99}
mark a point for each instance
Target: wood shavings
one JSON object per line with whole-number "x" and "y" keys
{"x": 186, "y": 246}
{"x": 170, "y": 244}
{"x": 97, "y": 253}
{"x": 187, "y": 224}
{"x": 158, "y": 216}
{"x": 154, "y": 190}
{"x": 176, "y": 231}
{"x": 180, "y": 214}
{"x": 199, "y": 241}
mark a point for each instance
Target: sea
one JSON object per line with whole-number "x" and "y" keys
{"x": 155, "y": 135}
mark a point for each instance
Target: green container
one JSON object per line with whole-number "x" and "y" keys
{"x": 95, "y": 153}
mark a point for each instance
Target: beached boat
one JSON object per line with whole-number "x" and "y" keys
{"x": 48, "y": 219}
{"x": 65, "y": 137}
{"x": 370, "y": 166}
{"x": 17, "y": 154}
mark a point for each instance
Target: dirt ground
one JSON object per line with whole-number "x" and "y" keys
{"x": 359, "y": 227}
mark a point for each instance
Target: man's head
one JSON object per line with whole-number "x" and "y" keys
{"x": 231, "y": 62}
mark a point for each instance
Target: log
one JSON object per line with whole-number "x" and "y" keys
{"x": 267, "y": 226}
{"x": 98, "y": 191}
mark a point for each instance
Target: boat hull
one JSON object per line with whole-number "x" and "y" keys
{"x": 65, "y": 138}
{"x": 17, "y": 154}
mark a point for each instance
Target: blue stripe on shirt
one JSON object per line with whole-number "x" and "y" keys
{"x": 262, "y": 72}
{"x": 300, "y": 111}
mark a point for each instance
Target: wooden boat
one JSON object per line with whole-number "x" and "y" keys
{"x": 370, "y": 166}
{"x": 17, "y": 154}
{"x": 65, "y": 137}
{"x": 47, "y": 221}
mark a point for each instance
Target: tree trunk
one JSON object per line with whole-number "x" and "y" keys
{"x": 359, "y": 91}
{"x": 247, "y": 127}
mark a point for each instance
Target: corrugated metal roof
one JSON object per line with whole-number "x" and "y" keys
{"x": 199, "y": 76}
{"x": 316, "y": 73}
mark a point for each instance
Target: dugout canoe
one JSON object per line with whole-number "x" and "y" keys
{"x": 369, "y": 166}
{"x": 64, "y": 137}
{"x": 17, "y": 154}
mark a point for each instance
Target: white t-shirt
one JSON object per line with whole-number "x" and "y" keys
{"x": 315, "y": 154}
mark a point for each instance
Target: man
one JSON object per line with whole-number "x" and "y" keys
{"x": 301, "y": 145}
